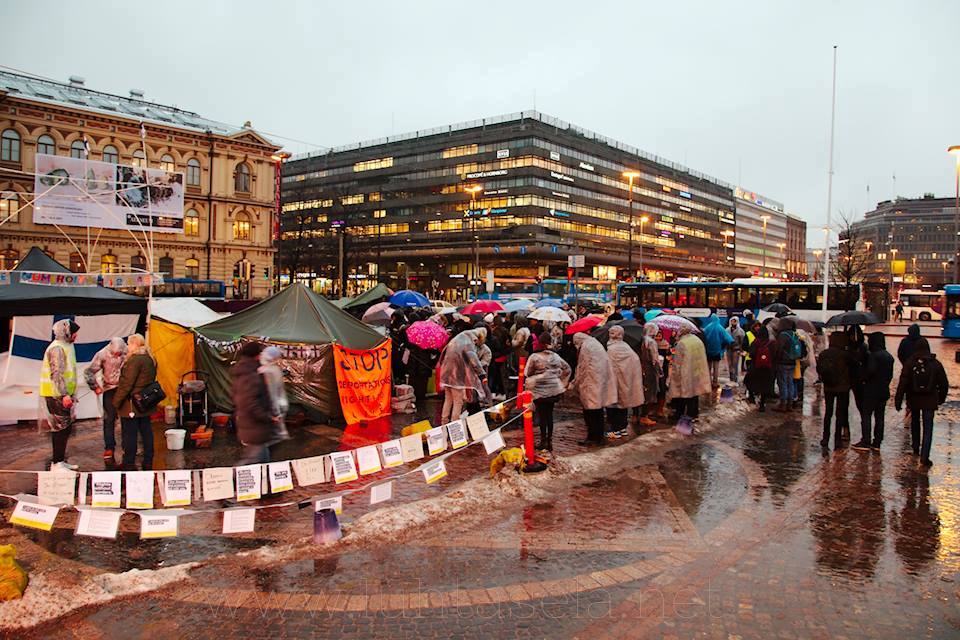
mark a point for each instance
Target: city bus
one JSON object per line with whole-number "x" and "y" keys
{"x": 731, "y": 298}
{"x": 511, "y": 288}
{"x": 950, "y": 325}
{"x": 920, "y": 305}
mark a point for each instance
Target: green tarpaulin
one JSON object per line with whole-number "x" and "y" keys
{"x": 371, "y": 296}
{"x": 304, "y": 325}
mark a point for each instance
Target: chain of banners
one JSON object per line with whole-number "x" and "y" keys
{"x": 59, "y": 279}
{"x": 113, "y": 493}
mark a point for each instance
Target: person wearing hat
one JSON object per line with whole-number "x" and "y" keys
{"x": 58, "y": 391}
{"x": 273, "y": 378}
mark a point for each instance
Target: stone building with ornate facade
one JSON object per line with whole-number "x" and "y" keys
{"x": 229, "y": 175}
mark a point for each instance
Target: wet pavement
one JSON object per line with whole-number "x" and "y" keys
{"x": 747, "y": 530}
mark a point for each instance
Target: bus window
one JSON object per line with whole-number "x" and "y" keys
{"x": 953, "y": 307}
{"x": 653, "y": 297}
{"x": 798, "y": 297}
{"x": 770, "y": 295}
{"x": 721, "y": 297}
{"x": 842, "y": 298}
{"x": 746, "y": 297}
{"x": 676, "y": 297}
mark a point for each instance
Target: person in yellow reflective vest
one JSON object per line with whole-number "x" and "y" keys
{"x": 58, "y": 391}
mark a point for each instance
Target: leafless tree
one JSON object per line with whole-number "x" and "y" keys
{"x": 852, "y": 260}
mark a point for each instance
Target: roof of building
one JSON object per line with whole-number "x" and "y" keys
{"x": 76, "y": 95}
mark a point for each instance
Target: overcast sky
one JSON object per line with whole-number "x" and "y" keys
{"x": 737, "y": 90}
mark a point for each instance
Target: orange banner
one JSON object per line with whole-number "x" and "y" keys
{"x": 363, "y": 380}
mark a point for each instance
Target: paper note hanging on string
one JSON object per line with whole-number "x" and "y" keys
{"x": 82, "y": 489}
{"x": 281, "y": 478}
{"x": 457, "y": 433}
{"x": 310, "y": 471}
{"x": 436, "y": 440}
{"x": 99, "y": 523}
{"x": 248, "y": 482}
{"x": 493, "y": 442}
{"x": 335, "y": 503}
{"x": 381, "y": 492}
{"x": 35, "y": 516}
{"x": 239, "y": 520}
{"x": 368, "y": 460}
{"x": 477, "y": 424}
{"x": 390, "y": 454}
{"x": 139, "y": 489}
{"x": 55, "y": 487}
{"x": 344, "y": 469}
{"x": 177, "y": 487}
{"x": 434, "y": 470}
{"x": 156, "y": 524}
{"x": 106, "y": 489}
{"x": 218, "y": 484}
{"x": 411, "y": 447}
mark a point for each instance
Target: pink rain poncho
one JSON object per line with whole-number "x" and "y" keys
{"x": 626, "y": 367}
{"x": 460, "y": 366}
{"x": 689, "y": 374}
{"x": 595, "y": 380}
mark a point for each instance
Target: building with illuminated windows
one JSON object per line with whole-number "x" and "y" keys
{"x": 514, "y": 195}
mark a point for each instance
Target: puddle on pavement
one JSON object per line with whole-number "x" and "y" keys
{"x": 708, "y": 485}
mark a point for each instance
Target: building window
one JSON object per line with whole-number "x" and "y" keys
{"x": 241, "y": 227}
{"x": 241, "y": 179}
{"x": 193, "y": 172}
{"x": 109, "y": 263}
{"x": 10, "y": 146}
{"x": 166, "y": 266}
{"x": 191, "y": 223}
{"x": 138, "y": 263}
{"x": 76, "y": 149}
{"x": 193, "y": 268}
{"x": 76, "y": 263}
{"x": 167, "y": 163}
{"x": 45, "y": 144}
{"x": 139, "y": 160}
{"x": 9, "y": 207}
{"x": 110, "y": 154}
{"x": 9, "y": 259}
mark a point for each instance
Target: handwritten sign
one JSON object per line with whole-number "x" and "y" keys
{"x": 335, "y": 503}
{"x": 156, "y": 524}
{"x": 106, "y": 489}
{"x": 55, "y": 487}
{"x": 436, "y": 440}
{"x": 434, "y": 470}
{"x": 381, "y": 492}
{"x": 239, "y": 520}
{"x": 477, "y": 424}
{"x": 310, "y": 470}
{"x": 411, "y": 447}
{"x": 457, "y": 433}
{"x": 139, "y": 489}
{"x": 217, "y": 483}
{"x": 390, "y": 454}
{"x": 363, "y": 381}
{"x": 177, "y": 488}
{"x": 248, "y": 482}
{"x": 344, "y": 469}
{"x": 99, "y": 523}
{"x": 368, "y": 460}
{"x": 35, "y": 516}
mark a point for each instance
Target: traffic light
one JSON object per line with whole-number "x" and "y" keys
{"x": 266, "y": 273}
{"x": 251, "y": 270}
{"x": 236, "y": 271}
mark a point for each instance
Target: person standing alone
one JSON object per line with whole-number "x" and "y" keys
{"x": 924, "y": 384}
{"x": 58, "y": 391}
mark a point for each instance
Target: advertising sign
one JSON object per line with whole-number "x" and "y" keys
{"x": 79, "y": 192}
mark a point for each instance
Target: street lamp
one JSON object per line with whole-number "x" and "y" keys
{"x": 278, "y": 158}
{"x": 955, "y": 152}
{"x": 783, "y": 257}
{"x": 630, "y": 176}
{"x": 764, "y": 248}
{"x": 643, "y": 220}
{"x": 473, "y": 190}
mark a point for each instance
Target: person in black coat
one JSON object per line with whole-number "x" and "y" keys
{"x": 834, "y": 371}
{"x": 876, "y": 391}
{"x": 857, "y": 360}
{"x": 924, "y": 384}
{"x": 905, "y": 350}
{"x": 252, "y": 408}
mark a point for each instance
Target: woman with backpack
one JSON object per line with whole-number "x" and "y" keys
{"x": 789, "y": 351}
{"x": 924, "y": 383}
{"x": 760, "y": 374}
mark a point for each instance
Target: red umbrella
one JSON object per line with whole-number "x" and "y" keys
{"x": 482, "y": 307}
{"x": 583, "y": 325}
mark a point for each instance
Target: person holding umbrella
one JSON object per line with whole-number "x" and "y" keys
{"x": 424, "y": 340}
{"x": 924, "y": 384}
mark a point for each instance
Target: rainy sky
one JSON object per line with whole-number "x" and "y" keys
{"x": 737, "y": 90}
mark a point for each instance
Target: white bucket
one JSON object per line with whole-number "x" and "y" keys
{"x": 175, "y": 438}
{"x": 170, "y": 414}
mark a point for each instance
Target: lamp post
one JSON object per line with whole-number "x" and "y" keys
{"x": 630, "y": 176}
{"x": 643, "y": 220}
{"x": 955, "y": 152}
{"x": 764, "y": 247}
{"x": 473, "y": 190}
{"x": 783, "y": 256}
{"x": 915, "y": 281}
{"x": 278, "y": 159}
{"x": 893, "y": 252}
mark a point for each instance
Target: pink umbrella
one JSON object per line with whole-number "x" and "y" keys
{"x": 482, "y": 306}
{"x": 427, "y": 335}
{"x": 583, "y": 324}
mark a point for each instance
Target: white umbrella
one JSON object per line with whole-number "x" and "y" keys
{"x": 520, "y": 304}
{"x": 551, "y": 314}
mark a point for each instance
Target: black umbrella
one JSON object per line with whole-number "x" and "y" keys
{"x": 852, "y": 317}
{"x": 632, "y": 332}
{"x": 778, "y": 307}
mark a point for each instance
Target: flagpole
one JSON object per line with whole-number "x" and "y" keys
{"x": 826, "y": 235}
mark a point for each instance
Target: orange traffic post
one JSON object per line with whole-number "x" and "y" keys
{"x": 523, "y": 365}
{"x": 526, "y": 401}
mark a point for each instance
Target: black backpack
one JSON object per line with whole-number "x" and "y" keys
{"x": 922, "y": 376}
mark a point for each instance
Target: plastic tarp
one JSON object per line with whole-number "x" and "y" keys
{"x": 371, "y": 296}
{"x": 303, "y": 325}
{"x": 173, "y": 347}
{"x": 186, "y": 312}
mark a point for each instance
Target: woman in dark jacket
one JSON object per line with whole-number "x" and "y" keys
{"x": 924, "y": 383}
{"x": 138, "y": 371}
{"x": 421, "y": 364}
{"x": 252, "y": 409}
{"x": 761, "y": 374}
{"x": 833, "y": 367}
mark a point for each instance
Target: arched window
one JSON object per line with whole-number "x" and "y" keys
{"x": 109, "y": 263}
{"x": 241, "y": 179}
{"x": 45, "y": 144}
{"x": 193, "y": 268}
{"x": 110, "y": 154}
{"x": 9, "y": 207}
{"x": 167, "y": 163}
{"x": 76, "y": 263}
{"x": 241, "y": 227}
{"x": 76, "y": 149}
{"x": 191, "y": 223}
{"x": 138, "y": 263}
{"x": 10, "y": 146}
{"x": 166, "y": 266}
{"x": 193, "y": 172}
{"x": 139, "y": 160}
{"x": 9, "y": 259}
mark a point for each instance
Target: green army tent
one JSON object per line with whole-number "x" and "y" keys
{"x": 359, "y": 304}
{"x": 304, "y": 326}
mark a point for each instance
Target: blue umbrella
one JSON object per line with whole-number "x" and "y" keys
{"x": 627, "y": 314}
{"x": 653, "y": 313}
{"x": 407, "y": 298}
{"x": 548, "y": 302}
{"x": 520, "y": 304}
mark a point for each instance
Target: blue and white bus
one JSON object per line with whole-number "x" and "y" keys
{"x": 731, "y": 298}
{"x": 950, "y": 325}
